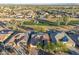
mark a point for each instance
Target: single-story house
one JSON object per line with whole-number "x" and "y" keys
{"x": 36, "y": 38}
{"x": 60, "y": 36}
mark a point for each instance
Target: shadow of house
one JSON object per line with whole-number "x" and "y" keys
{"x": 74, "y": 37}
{"x": 52, "y": 36}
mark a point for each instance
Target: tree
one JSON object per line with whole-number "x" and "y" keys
{"x": 60, "y": 47}
{"x": 59, "y": 19}
{"x": 53, "y": 47}
{"x": 66, "y": 20}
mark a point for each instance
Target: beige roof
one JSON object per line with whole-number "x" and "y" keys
{"x": 3, "y": 36}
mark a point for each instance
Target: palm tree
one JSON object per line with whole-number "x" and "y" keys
{"x": 66, "y": 20}
{"x": 59, "y": 20}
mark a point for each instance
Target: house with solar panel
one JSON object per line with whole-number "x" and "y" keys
{"x": 60, "y": 36}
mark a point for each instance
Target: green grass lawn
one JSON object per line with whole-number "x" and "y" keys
{"x": 48, "y": 23}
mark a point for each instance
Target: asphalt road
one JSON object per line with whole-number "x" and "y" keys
{"x": 73, "y": 51}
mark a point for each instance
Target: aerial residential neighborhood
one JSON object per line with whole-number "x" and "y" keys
{"x": 39, "y": 29}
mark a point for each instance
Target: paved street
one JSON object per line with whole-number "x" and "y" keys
{"x": 74, "y": 51}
